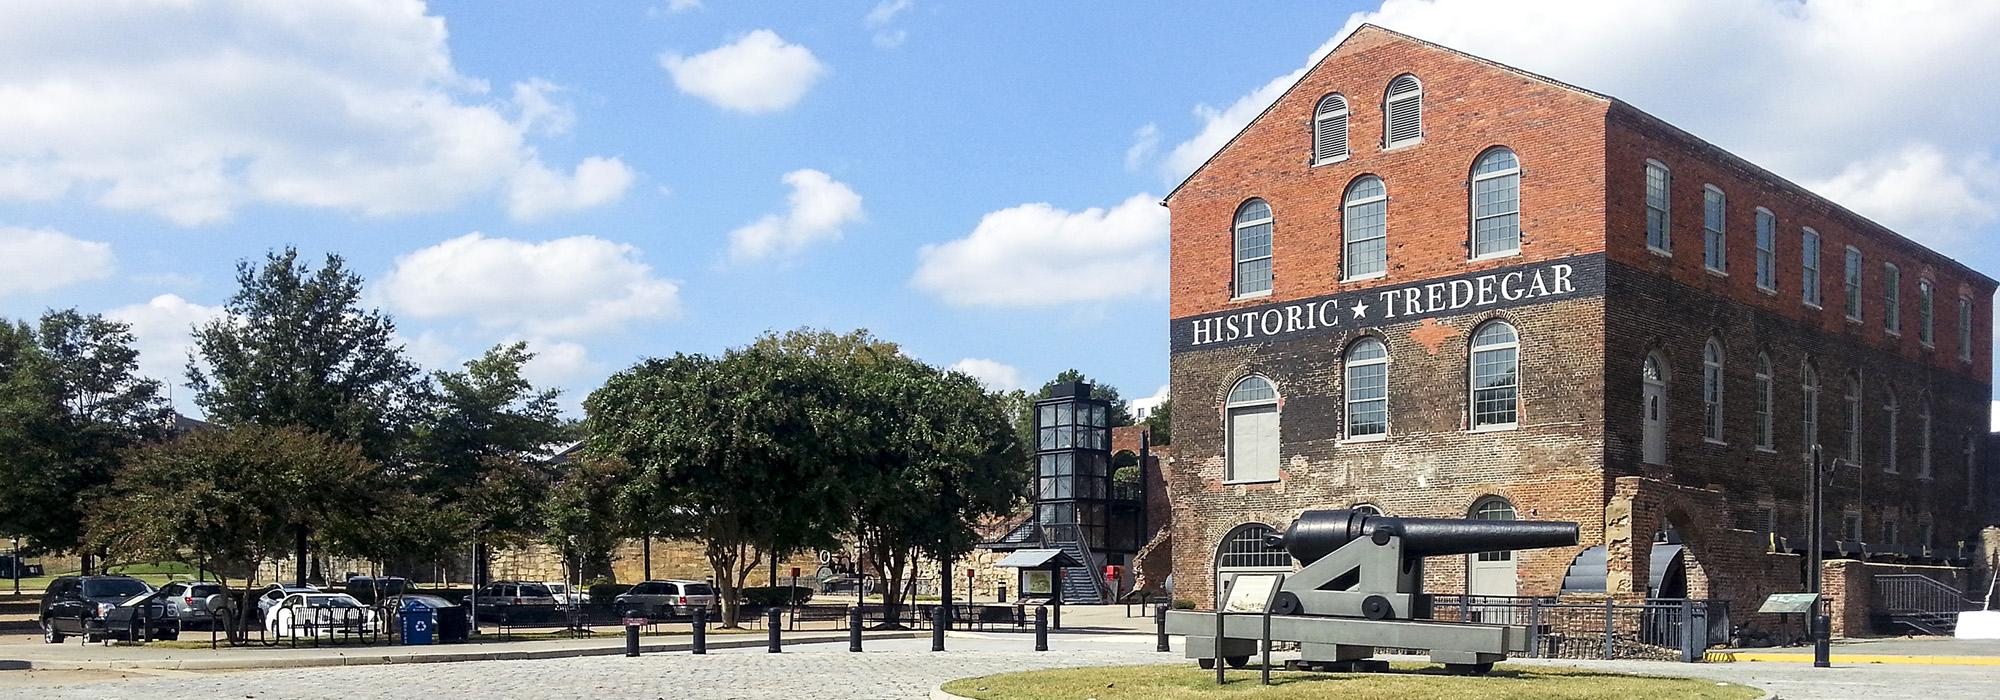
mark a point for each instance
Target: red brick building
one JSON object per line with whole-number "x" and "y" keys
{"x": 1439, "y": 286}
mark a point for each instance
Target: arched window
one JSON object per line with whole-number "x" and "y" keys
{"x": 1926, "y": 316}
{"x": 1891, "y": 412}
{"x": 1765, "y": 403}
{"x": 1494, "y": 508}
{"x": 1253, "y": 248}
{"x": 1924, "y": 438}
{"x": 1403, "y": 112}
{"x": 1809, "y": 389}
{"x": 1247, "y": 547}
{"x": 1366, "y": 509}
{"x": 1252, "y": 442}
{"x": 1495, "y": 362}
{"x": 1367, "y": 389}
{"x": 1496, "y": 204}
{"x": 1852, "y": 398}
{"x": 1653, "y": 420}
{"x": 1711, "y": 390}
{"x": 1364, "y": 229}
{"x": 1330, "y": 130}
{"x": 1659, "y": 212}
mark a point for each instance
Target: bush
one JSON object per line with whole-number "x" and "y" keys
{"x": 767, "y": 596}
{"x": 605, "y": 593}
{"x": 1183, "y": 604}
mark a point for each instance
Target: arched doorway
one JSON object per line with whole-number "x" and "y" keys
{"x": 1654, "y": 420}
{"x": 1243, "y": 551}
{"x": 1491, "y": 573}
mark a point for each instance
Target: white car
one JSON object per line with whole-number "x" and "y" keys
{"x": 277, "y": 592}
{"x": 566, "y": 596}
{"x": 308, "y": 614}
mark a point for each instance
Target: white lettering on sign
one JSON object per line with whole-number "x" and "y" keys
{"x": 1427, "y": 298}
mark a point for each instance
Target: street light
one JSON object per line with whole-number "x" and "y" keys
{"x": 1819, "y": 470}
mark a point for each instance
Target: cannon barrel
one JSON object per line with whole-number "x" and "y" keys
{"x": 1316, "y": 533}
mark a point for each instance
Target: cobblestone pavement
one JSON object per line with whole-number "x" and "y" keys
{"x": 889, "y": 669}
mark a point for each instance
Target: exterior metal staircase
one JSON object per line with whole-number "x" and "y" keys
{"x": 1920, "y": 603}
{"x": 1080, "y": 585}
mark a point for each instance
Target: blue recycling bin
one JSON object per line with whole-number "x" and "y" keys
{"x": 419, "y": 623}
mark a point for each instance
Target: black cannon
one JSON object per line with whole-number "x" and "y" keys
{"x": 1360, "y": 586}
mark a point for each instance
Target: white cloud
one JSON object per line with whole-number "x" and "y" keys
{"x": 191, "y": 110}
{"x": 562, "y": 287}
{"x": 162, "y": 331}
{"x": 40, "y": 259}
{"x": 539, "y": 112}
{"x": 557, "y": 363}
{"x": 820, "y": 206}
{"x": 1825, "y": 93}
{"x": 878, "y": 19}
{"x": 673, "y": 7}
{"x": 997, "y": 376}
{"x": 537, "y": 191}
{"x": 1145, "y": 144}
{"x": 757, "y": 73}
{"x": 431, "y": 351}
{"x": 1038, "y": 255}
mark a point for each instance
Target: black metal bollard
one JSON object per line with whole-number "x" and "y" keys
{"x": 631, "y": 633}
{"x": 1041, "y": 628}
{"x": 1058, "y": 614}
{"x": 1160, "y": 628}
{"x": 1822, "y": 634}
{"x": 700, "y": 630}
{"x": 854, "y": 628}
{"x": 937, "y": 628}
{"x": 771, "y": 623}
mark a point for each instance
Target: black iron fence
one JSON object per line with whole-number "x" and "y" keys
{"x": 1664, "y": 629}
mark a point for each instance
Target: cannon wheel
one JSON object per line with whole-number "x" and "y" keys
{"x": 1233, "y": 661}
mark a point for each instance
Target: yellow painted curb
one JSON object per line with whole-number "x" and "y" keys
{"x": 1728, "y": 656}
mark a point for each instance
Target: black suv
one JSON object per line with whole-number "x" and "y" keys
{"x": 91, "y": 606}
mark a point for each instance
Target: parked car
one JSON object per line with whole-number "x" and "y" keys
{"x": 566, "y": 595}
{"x": 368, "y": 588}
{"x": 143, "y": 616}
{"x": 307, "y": 614}
{"x": 77, "y": 605}
{"x": 668, "y": 598}
{"x": 515, "y": 601}
{"x": 277, "y": 592}
{"x": 454, "y": 621}
{"x": 187, "y": 601}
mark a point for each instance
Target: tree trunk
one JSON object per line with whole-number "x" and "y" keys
{"x": 299, "y": 546}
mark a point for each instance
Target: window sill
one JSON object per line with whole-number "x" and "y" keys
{"x": 1252, "y": 295}
{"x": 1766, "y": 449}
{"x": 1768, "y": 291}
{"x": 1363, "y": 439}
{"x": 1496, "y": 428}
{"x": 1400, "y": 146}
{"x": 1853, "y": 319}
{"x": 1713, "y": 441}
{"x": 1928, "y": 346}
{"x": 1714, "y": 272}
{"x": 1813, "y": 306}
{"x": 1662, "y": 252}
{"x": 1495, "y": 256}
{"x": 1366, "y": 277}
{"x": 1240, "y": 482}
{"x": 1332, "y": 161}
{"x": 1893, "y": 334}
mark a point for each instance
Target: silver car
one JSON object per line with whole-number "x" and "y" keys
{"x": 188, "y": 600}
{"x": 668, "y": 598}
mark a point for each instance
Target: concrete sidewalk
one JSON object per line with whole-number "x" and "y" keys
{"x": 1934, "y": 651}
{"x": 74, "y": 657}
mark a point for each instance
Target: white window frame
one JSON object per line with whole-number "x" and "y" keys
{"x": 1347, "y": 205}
{"x": 1229, "y": 408}
{"x": 1851, "y": 280}
{"x": 1348, "y": 364}
{"x": 1665, "y": 206}
{"x": 1236, "y": 227}
{"x": 1766, "y": 396}
{"x": 1809, "y": 268}
{"x": 1322, "y": 119}
{"x": 1926, "y": 314}
{"x": 1711, "y": 391}
{"x": 1767, "y": 251}
{"x": 1892, "y": 411}
{"x": 1852, "y": 400}
{"x": 1714, "y": 230}
{"x": 1809, "y": 389}
{"x": 1472, "y": 205}
{"x": 1892, "y": 299}
{"x": 1389, "y": 101}
{"x": 1472, "y": 377}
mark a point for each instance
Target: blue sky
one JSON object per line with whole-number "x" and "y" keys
{"x": 977, "y": 181}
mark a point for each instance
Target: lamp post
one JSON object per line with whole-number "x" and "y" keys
{"x": 1819, "y": 470}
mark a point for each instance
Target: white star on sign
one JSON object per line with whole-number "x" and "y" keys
{"x": 1360, "y": 310}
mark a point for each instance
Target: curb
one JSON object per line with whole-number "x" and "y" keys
{"x": 376, "y": 660}
{"x": 938, "y": 693}
{"x": 1770, "y": 657}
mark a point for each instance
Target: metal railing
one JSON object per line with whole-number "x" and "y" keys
{"x": 1663, "y": 629}
{"x": 1921, "y": 602}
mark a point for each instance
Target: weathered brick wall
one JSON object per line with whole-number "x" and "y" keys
{"x": 1849, "y": 587}
{"x": 1430, "y": 465}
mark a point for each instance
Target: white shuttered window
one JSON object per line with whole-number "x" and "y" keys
{"x": 1330, "y": 130}
{"x": 1403, "y": 112}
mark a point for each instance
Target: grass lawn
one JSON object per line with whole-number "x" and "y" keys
{"x": 1406, "y": 681}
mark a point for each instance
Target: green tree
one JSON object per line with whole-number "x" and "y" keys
{"x": 579, "y": 514}
{"x": 1119, "y": 415}
{"x": 725, "y": 452}
{"x": 296, "y": 349}
{"x": 73, "y": 386}
{"x": 1161, "y": 423}
{"x": 234, "y": 497}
